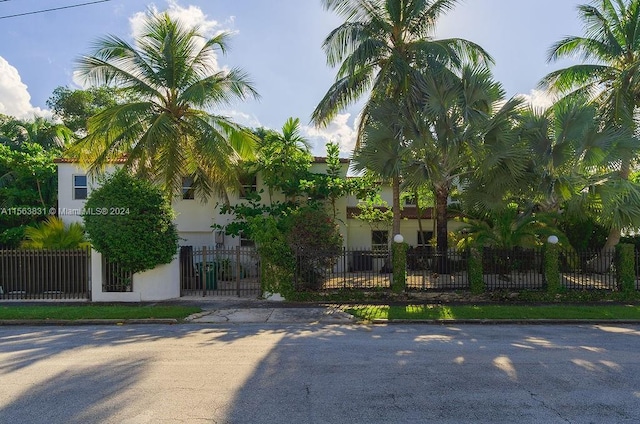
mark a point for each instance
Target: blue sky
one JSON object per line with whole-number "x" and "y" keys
{"x": 278, "y": 43}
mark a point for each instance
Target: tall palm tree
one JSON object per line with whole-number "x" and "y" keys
{"x": 610, "y": 49}
{"x": 169, "y": 131}
{"x": 384, "y": 47}
{"x": 463, "y": 124}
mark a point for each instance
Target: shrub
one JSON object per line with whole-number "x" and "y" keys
{"x": 625, "y": 267}
{"x": 476, "y": 277}
{"x": 399, "y": 259}
{"x": 54, "y": 234}
{"x": 552, "y": 268}
{"x": 276, "y": 257}
{"x": 314, "y": 238}
{"x": 130, "y": 222}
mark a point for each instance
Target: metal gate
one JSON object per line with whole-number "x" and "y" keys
{"x": 212, "y": 271}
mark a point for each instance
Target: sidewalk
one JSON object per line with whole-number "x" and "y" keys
{"x": 237, "y": 310}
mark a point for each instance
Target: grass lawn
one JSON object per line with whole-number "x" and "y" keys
{"x": 438, "y": 312}
{"x": 74, "y": 312}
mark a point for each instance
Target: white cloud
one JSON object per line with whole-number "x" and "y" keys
{"x": 338, "y": 131}
{"x": 539, "y": 99}
{"x": 15, "y": 99}
{"x": 242, "y": 118}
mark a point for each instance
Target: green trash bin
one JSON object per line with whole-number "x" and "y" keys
{"x": 208, "y": 275}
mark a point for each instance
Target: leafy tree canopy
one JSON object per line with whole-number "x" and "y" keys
{"x": 75, "y": 107}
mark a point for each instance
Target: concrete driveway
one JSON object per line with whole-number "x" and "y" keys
{"x": 276, "y": 373}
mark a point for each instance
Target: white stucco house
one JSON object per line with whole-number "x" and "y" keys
{"x": 195, "y": 218}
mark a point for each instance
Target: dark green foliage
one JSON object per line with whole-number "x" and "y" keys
{"x": 28, "y": 189}
{"x": 289, "y": 238}
{"x": 75, "y": 107}
{"x": 399, "y": 258}
{"x": 625, "y": 267}
{"x": 476, "y": 280}
{"x": 131, "y": 223}
{"x": 316, "y": 243}
{"x": 552, "y": 267}
{"x": 276, "y": 257}
{"x": 585, "y": 234}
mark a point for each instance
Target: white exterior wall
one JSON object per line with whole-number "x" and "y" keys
{"x": 160, "y": 283}
{"x": 69, "y": 208}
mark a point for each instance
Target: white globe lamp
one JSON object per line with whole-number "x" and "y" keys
{"x": 398, "y": 238}
{"x": 553, "y": 240}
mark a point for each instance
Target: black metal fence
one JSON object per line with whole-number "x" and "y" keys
{"x": 429, "y": 270}
{"x": 513, "y": 269}
{"x": 588, "y": 270}
{"x": 211, "y": 271}
{"x": 45, "y": 274}
{"x": 343, "y": 269}
{"x": 503, "y": 269}
{"x": 115, "y": 278}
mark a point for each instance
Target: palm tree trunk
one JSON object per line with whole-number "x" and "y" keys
{"x": 395, "y": 228}
{"x": 442, "y": 194}
{"x": 602, "y": 262}
{"x": 419, "y": 213}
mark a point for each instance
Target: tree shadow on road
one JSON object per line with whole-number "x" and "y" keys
{"x": 84, "y": 394}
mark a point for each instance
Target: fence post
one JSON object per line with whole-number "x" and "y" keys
{"x": 344, "y": 267}
{"x": 476, "y": 272}
{"x": 238, "y": 270}
{"x": 625, "y": 267}
{"x": 203, "y": 271}
{"x": 552, "y": 267}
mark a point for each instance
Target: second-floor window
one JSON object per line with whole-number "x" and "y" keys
{"x": 187, "y": 188}
{"x": 80, "y": 187}
{"x": 249, "y": 184}
{"x": 410, "y": 201}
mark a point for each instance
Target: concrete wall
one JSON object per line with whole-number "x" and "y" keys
{"x": 161, "y": 283}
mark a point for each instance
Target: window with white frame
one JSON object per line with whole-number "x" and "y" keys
{"x": 246, "y": 241}
{"x": 80, "y": 189}
{"x": 249, "y": 185}
{"x": 187, "y": 188}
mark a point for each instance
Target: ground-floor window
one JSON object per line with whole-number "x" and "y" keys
{"x": 379, "y": 240}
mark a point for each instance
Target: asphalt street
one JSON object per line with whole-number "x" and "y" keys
{"x": 321, "y": 373}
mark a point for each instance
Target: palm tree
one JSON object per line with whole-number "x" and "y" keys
{"x": 610, "y": 75}
{"x": 463, "y": 124}
{"x": 284, "y": 157}
{"x": 168, "y": 131}
{"x": 54, "y": 234}
{"x": 38, "y": 130}
{"x": 508, "y": 229}
{"x": 385, "y": 48}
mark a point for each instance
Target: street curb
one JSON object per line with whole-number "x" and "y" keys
{"x": 505, "y": 321}
{"x": 78, "y": 322}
